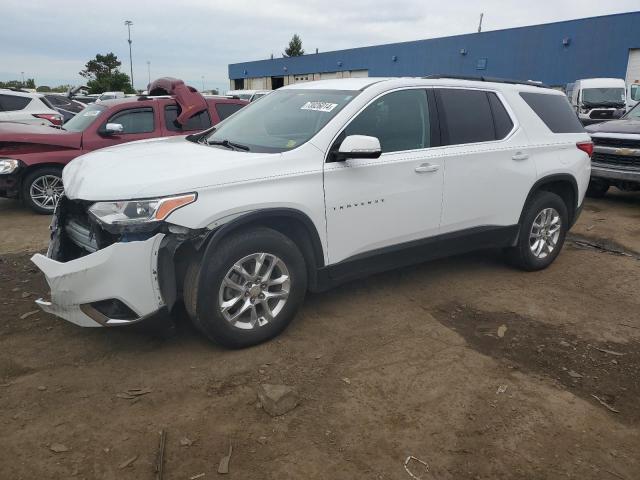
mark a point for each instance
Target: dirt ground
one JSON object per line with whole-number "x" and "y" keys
{"x": 478, "y": 370}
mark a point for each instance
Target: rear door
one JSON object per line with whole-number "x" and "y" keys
{"x": 138, "y": 124}
{"x": 488, "y": 169}
{"x": 196, "y": 123}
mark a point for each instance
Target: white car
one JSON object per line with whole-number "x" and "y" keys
{"x": 249, "y": 95}
{"x": 110, "y": 96}
{"x": 25, "y": 107}
{"x": 315, "y": 184}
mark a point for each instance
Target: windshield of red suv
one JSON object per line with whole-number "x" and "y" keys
{"x": 281, "y": 121}
{"x": 86, "y": 117}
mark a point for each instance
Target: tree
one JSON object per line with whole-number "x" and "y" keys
{"x": 43, "y": 88}
{"x": 295, "y": 47}
{"x": 102, "y": 75}
{"x": 29, "y": 83}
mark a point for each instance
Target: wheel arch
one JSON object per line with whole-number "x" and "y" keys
{"x": 290, "y": 222}
{"x": 562, "y": 184}
{"x": 28, "y": 169}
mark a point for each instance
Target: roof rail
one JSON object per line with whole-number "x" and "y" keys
{"x": 531, "y": 83}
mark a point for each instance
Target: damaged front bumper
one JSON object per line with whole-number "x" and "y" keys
{"x": 97, "y": 279}
{"x": 114, "y": 286}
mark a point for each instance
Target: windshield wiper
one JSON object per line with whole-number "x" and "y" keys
{"x": 232, "y": 145}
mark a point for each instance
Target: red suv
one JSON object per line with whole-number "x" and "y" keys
{"x": 32, "y": 157}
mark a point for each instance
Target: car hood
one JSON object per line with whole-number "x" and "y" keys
{"x": 615, "y": 126}
{"x": 40, "y": 134}
{"x": 159, "y": 167}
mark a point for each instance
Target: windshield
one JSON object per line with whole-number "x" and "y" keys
{"x": 282, "y": 120}
{"x": 86, "y": 117}
{"x": 603, "y": 96}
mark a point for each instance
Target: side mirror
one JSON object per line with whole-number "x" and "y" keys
{"x": 358, "y": 146}
{"x": 113, "y": 128}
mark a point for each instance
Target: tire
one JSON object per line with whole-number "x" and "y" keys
{"x": 597, "y": 189}
{"x": 246, "y": 321}
{"x": 36, "y": 182}
{"x": 529, "y": 254}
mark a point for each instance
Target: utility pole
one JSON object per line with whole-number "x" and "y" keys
{"x": 128, "y": 23}
{"x": 149, "y": 69}
{"x": 480, "y": 24}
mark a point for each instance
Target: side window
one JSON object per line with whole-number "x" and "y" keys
{"x": 227, "y": 109}
{"x": 400, "y": 120}
{"x": 138, "y": 120}
{"x": 554, "y": 111}
{"x": 465, "y": 116}
{"x": 501, "y": 120}
{"x": 11, "y": 103}
{"x": 200, "y": 121}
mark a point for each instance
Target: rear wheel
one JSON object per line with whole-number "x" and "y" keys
{"x": 597, "y": 189}
{"x": 543, "y": 229}
{"x": 255, "y": 283}
{"x": 42, "y": 188}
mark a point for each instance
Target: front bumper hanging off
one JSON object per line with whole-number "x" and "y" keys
{"x": 84, "y": 290}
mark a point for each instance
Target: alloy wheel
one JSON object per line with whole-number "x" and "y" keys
{"x": 545, "y": 233}
{"x": 254, "y": 291}
{"x": 45, "y": 191}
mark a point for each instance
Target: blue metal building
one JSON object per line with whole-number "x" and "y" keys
{"x": 554, "y": 53}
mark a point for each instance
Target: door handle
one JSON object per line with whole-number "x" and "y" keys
{"x": 520, "y": 156}
{"x": 427, "y": 167}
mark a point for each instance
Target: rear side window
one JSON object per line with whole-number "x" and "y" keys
{"x": 201, "y": 121}
{"x": 227, "y": 109}
{"x": 501, "y": 119}
{"x": 10, "y": 103}
{"x": 465, "y": 116}
{"x": 139, "y": 120}
{"x": 554, "y": 111}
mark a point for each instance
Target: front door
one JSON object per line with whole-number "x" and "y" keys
{"x": 372, "y": 204}
{"x": 137, "y": 123}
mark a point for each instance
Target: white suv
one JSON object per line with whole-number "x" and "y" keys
{"x": 315, "y": 184}
{"x": 25, "y": 107}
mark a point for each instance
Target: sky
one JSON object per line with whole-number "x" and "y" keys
{"x": 196, "y": 39}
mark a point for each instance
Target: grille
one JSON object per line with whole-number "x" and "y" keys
{"x": 616, "y": 142}
{"x": 81, "y": 235}
{"x": 601, "y": 114}
{"x": 617, "y": 160}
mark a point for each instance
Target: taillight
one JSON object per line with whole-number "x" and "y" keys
{"x": 55, "y": 119}
{"x": 586, "y": 147}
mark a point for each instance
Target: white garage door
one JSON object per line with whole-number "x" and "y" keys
{"x": 359, "y": 73}
{"x": 633, "y": 67}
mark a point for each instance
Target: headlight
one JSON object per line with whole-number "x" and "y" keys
{"x": 134, "y": 212}
{"x": 8, "y": 165}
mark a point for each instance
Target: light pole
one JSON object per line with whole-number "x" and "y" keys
{"x": 149, "y": 70}
{"x": 128, "y": 23}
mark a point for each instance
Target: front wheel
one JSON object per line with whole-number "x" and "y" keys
{"x": 42, "y": 188}
{"x": 250, "y": 290}
{"x": 543, "y": 228}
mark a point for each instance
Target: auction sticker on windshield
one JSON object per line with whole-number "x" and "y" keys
{"x": 319, "y": 106}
